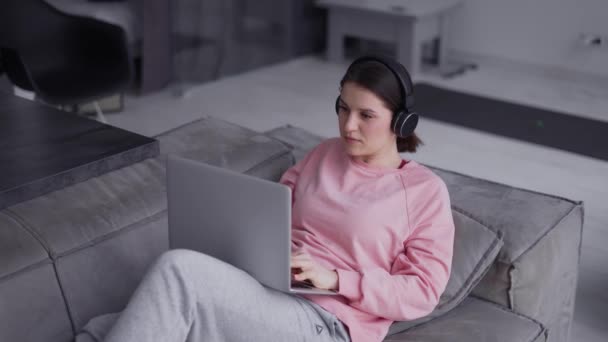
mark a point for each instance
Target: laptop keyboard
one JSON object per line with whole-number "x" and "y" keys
{"x": 306, "y": 284}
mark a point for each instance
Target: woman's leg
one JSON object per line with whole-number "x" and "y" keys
{"x": 189, "y": 296}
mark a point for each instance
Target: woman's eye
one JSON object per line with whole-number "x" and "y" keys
{"x": 366, "y": 116}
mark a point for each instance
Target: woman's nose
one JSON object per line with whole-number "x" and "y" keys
{"x": 350, "y": 123}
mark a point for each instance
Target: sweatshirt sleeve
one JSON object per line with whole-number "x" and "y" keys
{"x": 419, "y": 274}
{"x": 291, "y": 176}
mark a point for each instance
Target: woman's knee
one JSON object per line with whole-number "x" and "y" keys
{"x": 180, "y": 258}
{"x": 188, "y": 264}
{"x": 179, "y": 265}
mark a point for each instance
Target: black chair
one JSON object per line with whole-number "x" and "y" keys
{"x": 64, "y": 59}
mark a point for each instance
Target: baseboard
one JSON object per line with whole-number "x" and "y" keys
{"x": 549, "y": 71}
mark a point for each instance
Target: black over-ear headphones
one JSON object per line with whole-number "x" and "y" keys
{"x": 404, "y": 120}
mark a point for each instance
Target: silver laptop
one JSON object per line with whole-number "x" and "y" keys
{"x": 239, "y": 219}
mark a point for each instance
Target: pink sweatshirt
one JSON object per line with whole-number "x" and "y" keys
{"x": 388, "y": 233}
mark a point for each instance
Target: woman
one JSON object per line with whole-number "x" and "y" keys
{"x": 374, "y": 227}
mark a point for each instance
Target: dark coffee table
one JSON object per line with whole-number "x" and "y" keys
{"x": 43, "y": 149}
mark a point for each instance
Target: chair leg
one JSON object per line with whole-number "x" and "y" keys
{"x": 100, "y": 116}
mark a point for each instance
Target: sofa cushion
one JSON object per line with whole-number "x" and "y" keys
{"x": 475, "y": 320}
{"x": 28, "y": 288}
{"x": 227, "y": 145}
{"x": 475, "y": 248}
{"x": 32, "y": 307}
{"x": 101, "y": 278}
{"x": 301, "y": 141}
{"x": 80, "y": 214}
{"x": 19, "y": 249}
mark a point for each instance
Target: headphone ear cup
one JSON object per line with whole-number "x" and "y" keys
{"x": 404, "y": 123}
{"x": 337, "y": 106}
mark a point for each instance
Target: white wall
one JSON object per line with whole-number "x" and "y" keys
{"x": 541, "y": 32}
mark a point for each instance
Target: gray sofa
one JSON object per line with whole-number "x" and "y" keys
{"x": 79, "y": 252}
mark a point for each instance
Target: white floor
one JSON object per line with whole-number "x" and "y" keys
{"x": 302, "y": 92}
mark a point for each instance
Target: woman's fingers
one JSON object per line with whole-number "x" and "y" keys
{"x": 303, "y": 276}
{"x": 306, "y": 268}
{"x": 306, "y": 265}
{"x": 300, "y": 256}
{"x": 301, "y": 262}
{"x": 302, "y": 266}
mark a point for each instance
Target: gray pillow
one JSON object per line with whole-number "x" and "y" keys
{"x": 475, "y": 248}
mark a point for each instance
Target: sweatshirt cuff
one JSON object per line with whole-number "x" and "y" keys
{"x": 349, "y": 284}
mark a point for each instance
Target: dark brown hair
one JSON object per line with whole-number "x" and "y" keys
{"x": 377, "y": 78}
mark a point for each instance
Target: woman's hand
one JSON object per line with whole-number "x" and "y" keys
{"x": 319, "y": 276}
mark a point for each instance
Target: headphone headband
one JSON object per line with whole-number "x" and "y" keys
{"x": 403, "y": 77}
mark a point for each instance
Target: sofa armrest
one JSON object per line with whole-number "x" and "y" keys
{"x": 536, "y": 271}
{"x": 475, "y": 320}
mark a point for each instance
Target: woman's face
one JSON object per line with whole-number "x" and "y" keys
{"x": 365, "y": 125}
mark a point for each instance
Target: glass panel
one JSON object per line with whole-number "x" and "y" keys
{"x": 216, "y": 38}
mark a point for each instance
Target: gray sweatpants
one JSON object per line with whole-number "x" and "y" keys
{"x": 189, "y": 296}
